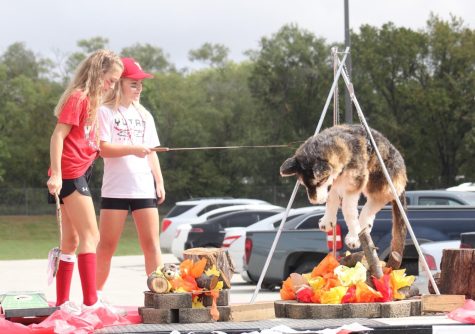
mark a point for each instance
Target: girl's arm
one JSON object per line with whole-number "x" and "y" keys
{"x": 157, "y": 175}
{"x": 55, "y": 181}
{"x": 109, "y": 150}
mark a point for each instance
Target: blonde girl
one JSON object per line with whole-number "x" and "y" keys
{"x": 132, "y": 175}
{"x": 73, "y": 149}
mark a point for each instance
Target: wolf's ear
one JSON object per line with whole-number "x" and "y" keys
{"x": 321, "y": 168}
{"x": 289, "y": 167}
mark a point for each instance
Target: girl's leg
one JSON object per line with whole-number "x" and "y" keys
{"x": 80, "y": 211}
{"x": 110, "y": 228}
{"x": 146, "y": 221}
{"x": 69, "y": 244}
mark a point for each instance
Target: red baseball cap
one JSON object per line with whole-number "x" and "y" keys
{"x": 132, "y": 70}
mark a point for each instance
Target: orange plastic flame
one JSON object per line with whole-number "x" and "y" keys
{"x": 287, "y": 291}
{"x": 198, "y": 268}
{"x": 214, "y": 307}
{"x": 327, "y": 265}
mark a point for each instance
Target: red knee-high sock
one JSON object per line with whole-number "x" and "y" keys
{"x": 63, "y": 280}
{"x": 87, "y": 272}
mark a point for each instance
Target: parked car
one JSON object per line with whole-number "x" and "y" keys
{"x": 211, "y": 232}
{"x": 433, "y": 251}
{"x": 467, "y": 186}
{"x": 183, "y": 211}
{"x": 178, "y": 243}
{"x": 234, "y": 237}
{"x": 439, "y": 197}
{"x": 301, "y": 246}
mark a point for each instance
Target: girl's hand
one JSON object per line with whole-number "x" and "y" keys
{"x": 141, "y": 151}
{"x": 55, "y": 183}
{"x": 160, "y": 193}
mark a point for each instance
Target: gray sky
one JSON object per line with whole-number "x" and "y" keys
{"x": 180, "y": 25}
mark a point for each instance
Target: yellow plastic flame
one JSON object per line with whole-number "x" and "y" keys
{"x": 196, "y": 302}
{"x": 212, "y": 271}
{"x": 334, "y": 295}
{"x": 349, "y": 276}
{"x": 400, "y": 280}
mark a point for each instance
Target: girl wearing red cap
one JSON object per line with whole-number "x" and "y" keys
{"x": 132, "y": 176}
{"x": 74, "y": 147}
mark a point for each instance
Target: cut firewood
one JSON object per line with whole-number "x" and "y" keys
{"x": 158, "y": 283}
{"x": 370, "y": 253}
{"x": 352, "y": 259}
{"x": 215, "y": 257}
{"x": 457, "y": 270}
{"x": 207, "y": 282}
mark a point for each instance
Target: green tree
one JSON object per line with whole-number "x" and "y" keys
{"x": 87, "y": 46}
{"x": 387, "y": 67}
{"x": 290, "y": 80}
{"x": 215, "y": 55}
{"x": 448, "y": 97}
{"x": 20, "y": 61}
{"x": 23, "y": 104}
{"x": 151, "y": 58}
{"x": 416, "y": 88}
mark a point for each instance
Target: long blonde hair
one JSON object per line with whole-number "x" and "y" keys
{"x": 88, "y": 79}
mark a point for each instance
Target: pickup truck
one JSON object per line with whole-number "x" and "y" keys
{"x": 301, "y": 245}
{"x": 467, "y": 240}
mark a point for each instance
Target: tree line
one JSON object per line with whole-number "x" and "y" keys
{"x": 416, "y": 87}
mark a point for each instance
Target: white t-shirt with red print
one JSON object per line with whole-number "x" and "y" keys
{"x": 127, "y": 176}
{"x": 80, "y": 146}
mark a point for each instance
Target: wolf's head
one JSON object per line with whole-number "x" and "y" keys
{"x": 312, "y": 170}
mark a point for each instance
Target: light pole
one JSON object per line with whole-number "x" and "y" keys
{"x": 348, "y": 105}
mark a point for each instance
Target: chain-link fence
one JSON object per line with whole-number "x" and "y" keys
{"x": 34, "y": 201}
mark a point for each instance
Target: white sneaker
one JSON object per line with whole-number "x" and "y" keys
{"x": 107, "y": 306}
{"x": 71, "y": 308}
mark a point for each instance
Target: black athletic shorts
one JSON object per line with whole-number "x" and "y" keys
{"x": 128, "y": 203}
{"x": 81, "y": 184}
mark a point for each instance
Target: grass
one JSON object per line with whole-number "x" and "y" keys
{"x": 31, "y": 237}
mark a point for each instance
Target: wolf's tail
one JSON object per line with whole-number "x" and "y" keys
{"x": 398, "y": 234}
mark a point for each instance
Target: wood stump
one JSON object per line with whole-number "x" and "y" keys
{"x": 457, "y": 275}
{"x": 215, "y": 256}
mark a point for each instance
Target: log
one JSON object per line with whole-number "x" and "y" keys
{"x": 430, "y": 287}
{"x": 457, "y": 270}
{"x": 352, "y": 259}
{"x": 370, "y": 253}
{"x": 395, "y": 260}
{"x": 207, "y": 282}
{"x": 214, "y": 256}
{"x": 409, "y": 291}
{"x": 158, "y": 283}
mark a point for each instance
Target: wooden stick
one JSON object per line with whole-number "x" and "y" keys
{"x": 370, "y": 253}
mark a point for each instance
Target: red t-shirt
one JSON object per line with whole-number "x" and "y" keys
{"x": 79, "y": 147}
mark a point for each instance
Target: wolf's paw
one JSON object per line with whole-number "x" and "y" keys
{"x": 326, "y": 223}
{"x": 352, "y": 241}
{"x": 367, "y": 224}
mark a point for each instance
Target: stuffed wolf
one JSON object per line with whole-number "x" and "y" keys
{"x": 342, "y": 158}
